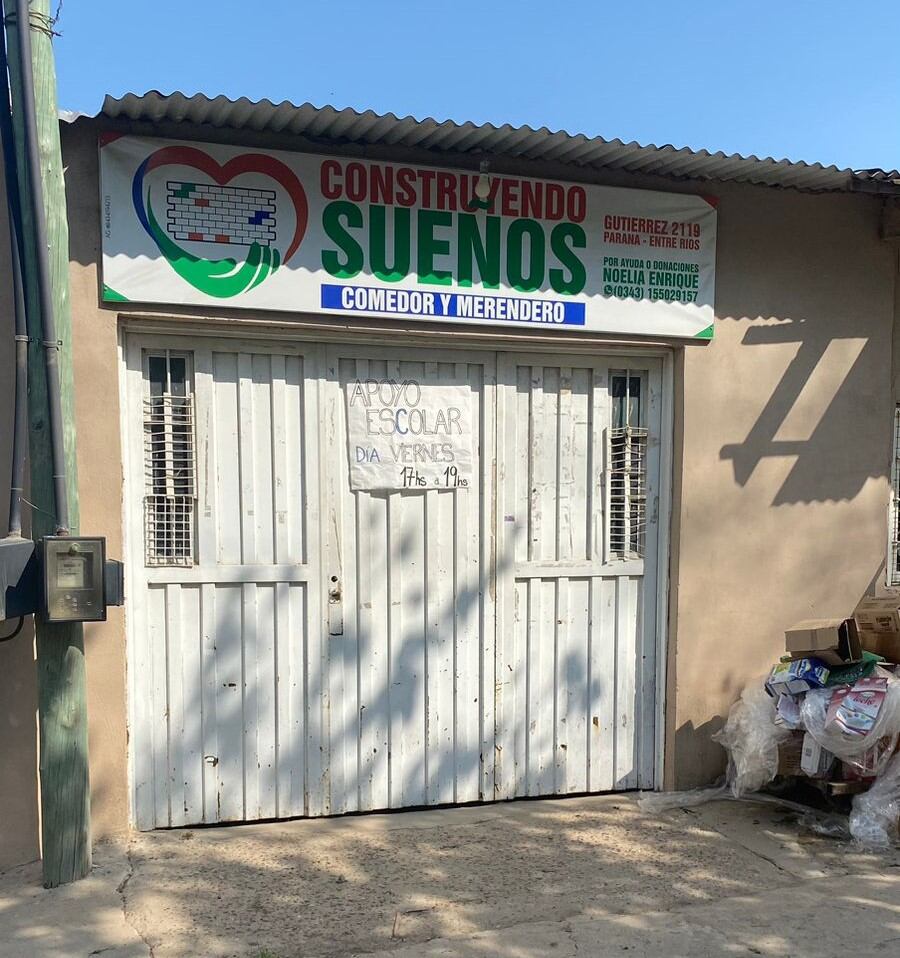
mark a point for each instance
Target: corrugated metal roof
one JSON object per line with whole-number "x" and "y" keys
{"x": 328, "y": 125}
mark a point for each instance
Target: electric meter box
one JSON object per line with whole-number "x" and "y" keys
{"x": 74, "y": 579}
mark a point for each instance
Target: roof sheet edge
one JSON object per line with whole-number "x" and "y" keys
{"x": 369, "y": 128}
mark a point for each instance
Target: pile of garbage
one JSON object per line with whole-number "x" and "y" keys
{"x": 828, "y": 713}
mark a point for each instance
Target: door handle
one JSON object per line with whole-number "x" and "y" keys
{"x": 335, "y": 607}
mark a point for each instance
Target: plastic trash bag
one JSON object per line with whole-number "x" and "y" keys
{"x": 875, "y": 813}
{"x": 820, "y": 823}
{"x": 654, "y": 802}
{"x": 868, "y": 753}
{"x": 751, "y": 737}
{"x": 824, "y": 824}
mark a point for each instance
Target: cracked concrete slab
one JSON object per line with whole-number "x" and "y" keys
{"x": 819, "y": 919}
{"x": 74, "y": 921}
{"x": 592, "y": 876}
{"x": 356, "y": 885}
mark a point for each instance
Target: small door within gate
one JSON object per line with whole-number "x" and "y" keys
{"x": 298, "y": 648}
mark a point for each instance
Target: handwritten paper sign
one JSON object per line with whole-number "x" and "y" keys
{"x": 407, "y": 434}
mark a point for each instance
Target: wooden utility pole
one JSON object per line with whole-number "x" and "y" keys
{"x": 62, "y": 701}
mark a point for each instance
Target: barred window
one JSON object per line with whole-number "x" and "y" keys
{"x": 169, "y": 468}
{"x": 627, "y": 468}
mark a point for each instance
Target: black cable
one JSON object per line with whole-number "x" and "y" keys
{"x": 45, "y": 298}
{"x": 15, "y": 631}
{"x": 14, "y": 211}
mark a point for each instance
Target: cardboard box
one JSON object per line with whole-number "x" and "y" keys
{"x": 879, "y": 614}
{"x": 855, "y": 709}
{"x": 878, "y": 622}
{"x": 834, "y": 641}
{"x": 787, "y": 712}
{"x": 815, "y": 761}
{"x": 799, "y": 675}
{"x": 887, "y": 646}
{"x": 789, "y": 753}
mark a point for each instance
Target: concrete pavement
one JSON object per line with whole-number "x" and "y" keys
{"x": 586, "y": 876}
{"x": 86, "y": 918}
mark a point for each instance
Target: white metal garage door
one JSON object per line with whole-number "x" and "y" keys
{"x": 300, "y": 649}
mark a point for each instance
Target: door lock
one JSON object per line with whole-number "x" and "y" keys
{"x": 334, "y": 590}
{"x": 335, "y": 607}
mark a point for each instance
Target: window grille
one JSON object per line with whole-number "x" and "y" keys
{"x": 893, "y": 572}
{"x": 627, "y": 470}
{"x": 169, "y": 467}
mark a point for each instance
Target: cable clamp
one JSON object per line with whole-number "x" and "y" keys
{"x": 22, "y": 338}
{"x": 50, "y": 344}
{"x": 39, "y": 22}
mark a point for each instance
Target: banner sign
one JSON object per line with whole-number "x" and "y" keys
{"x": 408, "y": 435}
{"x": 206, "y": 224}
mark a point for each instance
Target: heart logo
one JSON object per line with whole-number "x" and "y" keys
{"x": 214, "y": 212}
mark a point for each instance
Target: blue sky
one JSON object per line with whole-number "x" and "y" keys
{"x": 805, "y": 80}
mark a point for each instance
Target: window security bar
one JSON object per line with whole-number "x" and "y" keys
{"x": 627, "y": 452}
{"x": 170, "y": 480}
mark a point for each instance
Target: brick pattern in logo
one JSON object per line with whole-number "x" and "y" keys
{"x": 220, "y": 214}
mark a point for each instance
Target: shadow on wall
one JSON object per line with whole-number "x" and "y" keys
{"x": 823, "y": 469}
{"x": 19, "y": 841}
{"x": 802, "y": 532}
{"x": 788, "y": 431}
{"x": 18, "y": 685}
